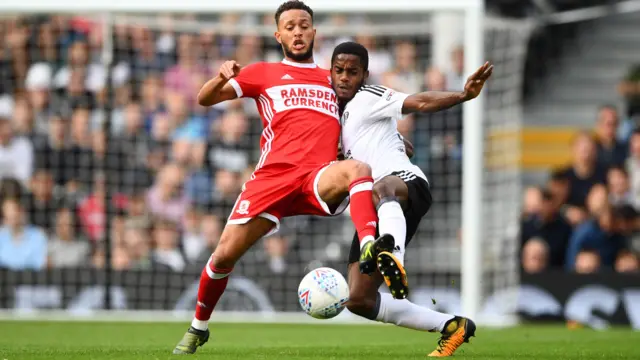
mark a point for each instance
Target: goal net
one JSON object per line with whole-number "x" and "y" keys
{"x": 126, "y": 182}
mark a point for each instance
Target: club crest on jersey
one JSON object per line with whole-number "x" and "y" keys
{"x": 243, "y": 207}
{"x": 345, "y": 116}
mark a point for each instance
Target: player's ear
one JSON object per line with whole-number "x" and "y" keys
{"x": 278, "y": 39}
{"x": 366, "y": 75}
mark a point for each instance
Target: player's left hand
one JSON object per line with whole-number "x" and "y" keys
{"x": 476, "y": 81}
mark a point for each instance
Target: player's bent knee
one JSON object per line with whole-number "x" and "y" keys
{"x": 382, "y": 190}
{"x": 360, "y": 169}
{"x": 223, "y": 256}
{"x": 221, "y": 259}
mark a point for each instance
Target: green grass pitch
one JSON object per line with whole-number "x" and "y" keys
{"x": 70, "y": 341}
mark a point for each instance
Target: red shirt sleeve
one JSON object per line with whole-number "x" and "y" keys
{"x": 250, "y": 81}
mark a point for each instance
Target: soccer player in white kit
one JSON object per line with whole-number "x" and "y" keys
{"x": 369, "y": 118}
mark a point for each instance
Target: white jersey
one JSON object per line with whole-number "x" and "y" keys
{"x": 370, "y": 132}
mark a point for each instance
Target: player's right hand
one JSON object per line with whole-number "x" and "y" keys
{"x": 229, "y": 70}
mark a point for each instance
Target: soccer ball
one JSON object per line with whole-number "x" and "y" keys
{"x": 323, "y": 293}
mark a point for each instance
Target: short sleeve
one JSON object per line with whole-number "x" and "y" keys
{"x": 388, "y": 103}
{"x": 250, "y": 81}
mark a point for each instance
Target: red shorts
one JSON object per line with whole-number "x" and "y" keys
{"x": 275, "y": 195}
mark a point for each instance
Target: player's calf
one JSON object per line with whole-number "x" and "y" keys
{"x": 236, "y": 239}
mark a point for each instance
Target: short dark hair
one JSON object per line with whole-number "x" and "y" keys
{"x": 292, "y": 5}
{"x": 352, "y": 48}
{"x": 624, "y": 212}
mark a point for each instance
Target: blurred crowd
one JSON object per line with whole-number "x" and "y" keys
{"x": 164, "y": 169}
{"x": 586, "y": 218}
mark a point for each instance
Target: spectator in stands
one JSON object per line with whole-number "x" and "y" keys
{"x": 78, "y": 59}
{"x": 189, "y": 133}
{"x": 618, "y": 187}
{"x": 210, "y": 231}
{"x": 55, "y": 153}
{"x": 532, "y": 203}
{"x": 227, "y": 189}
{"x": 209, "y": 52}
{"x": 118, "y": 221}
{"x": 192, "y": 240}
{"x": 137, "y": 243}
{"x": 633, "y": 166}
{"x": 456, "y": 77}
{"x": 611, "y": 152}
{"x": 535, "y": 256}
{"x": 166, "y": 239}
{"x": 75, "y": 94}
{"x": 65, "y": 248}
{"x": 558, "y": 186}
{"x": 80, "y": 132}
{"x": 587, "y": 262}
{"x": 38, "y": 85}
{"x": 548, "y": 225}
{"x": 120, "y": 258}
{"x": 379, "y": 60}
{"x": 597, "y": 201}
{"x": 91, "y": 211}
{"x": 137, "y": 207}
{"x": 277, "y": 247}
{"x": 583, "y": 174}
{"x": 22, "y": 246}
{"x": 146, "y": 60}
{"x": 167, "y": 198}
{"x": 42, "y": 204}
{"x": 604, "y": 235}
{"x": 184, "y": 77}
{"x": 627, "y": 262}
{"x": 404, "y": 75}
{"x": 23, "y": 122}
{"x": 229, "y": 147}
{"x": 629, "y": 88}
{"x": 249, "y": 49}
{"x": 16, "y": 154}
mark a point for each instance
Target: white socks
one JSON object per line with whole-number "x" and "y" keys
{"x": 366, "y": 240}
{"x": 200, "y": 324}
{"x": 406, "y": 314}
{"x": 391, "y": 221}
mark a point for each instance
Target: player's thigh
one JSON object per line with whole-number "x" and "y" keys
{"x": 236, "y": 239}
{"x": 324, "y": 191}
{"x": 419, "y": 203}
{"x": 332, "y": 184}
{"x": 391, "y": 186}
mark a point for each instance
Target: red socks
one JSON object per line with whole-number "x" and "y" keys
{"x": 213, "y": 281}
{"x": 363, "y": 213}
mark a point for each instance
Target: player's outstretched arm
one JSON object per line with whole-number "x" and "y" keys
{"x": 432, "y": 101}
{"x": 218, "y": 89}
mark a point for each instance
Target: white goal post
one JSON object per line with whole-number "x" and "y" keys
{"x": 473, "y": 113}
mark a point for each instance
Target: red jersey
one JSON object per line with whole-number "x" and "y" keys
{"x": 299, "y": 113}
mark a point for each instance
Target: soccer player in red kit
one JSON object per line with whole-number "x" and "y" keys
{"x": 297, "y": 173}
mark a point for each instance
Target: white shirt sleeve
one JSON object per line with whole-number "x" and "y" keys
{"x": 387, "y": 105}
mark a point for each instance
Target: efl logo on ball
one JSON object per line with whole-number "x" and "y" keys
{"x": 323, "y": 293}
